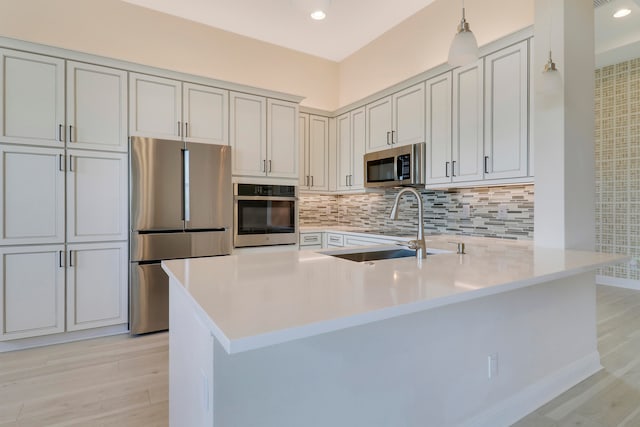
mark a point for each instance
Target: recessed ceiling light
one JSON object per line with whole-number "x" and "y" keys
{"x": 318, "y": 15}
{"x": 621, "y": 13}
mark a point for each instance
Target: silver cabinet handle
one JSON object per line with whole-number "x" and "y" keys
{"x": 312, "y": 180}
{"x": 179, "y": 128}
{"x": 61, "y": 162}
{"x": 187, "y": 198}
{"x": 270, "y": 170}
{"x": 186, "y": 130}
{"x": 388, "y": 133}
{"x": 264, "y": 166}
{"x": 393, "y": 132}
{"x": 486, "y": 164}
{"x": 70, "y": 163}
{"x": 70, "y": 258}
{"x": 61, "y": 259}
{"x": 60, "y": 133}
{"x": 453, "y": 168}
{"x": 446, "y": 169}
{"x": 70, "y": 133}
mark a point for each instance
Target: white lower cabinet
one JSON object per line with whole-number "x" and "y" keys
{"x": 96, "y": 285}
{"x": 32, "y": 294}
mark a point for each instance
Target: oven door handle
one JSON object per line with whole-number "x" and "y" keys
{"x": 266, "y": 198}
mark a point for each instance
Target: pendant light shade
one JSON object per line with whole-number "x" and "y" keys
{"x": 464, "y": 48}
{"x": 551, "y": 80}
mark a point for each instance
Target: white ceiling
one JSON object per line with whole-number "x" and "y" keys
{"x": 351, "y": 24}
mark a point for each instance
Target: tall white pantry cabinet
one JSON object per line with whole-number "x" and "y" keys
{"x": 64, "y": 196}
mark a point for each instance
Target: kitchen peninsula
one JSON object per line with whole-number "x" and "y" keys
{"x": 308, "y": 339}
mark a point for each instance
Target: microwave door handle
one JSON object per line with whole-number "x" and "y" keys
{"x": 185, "y": 180}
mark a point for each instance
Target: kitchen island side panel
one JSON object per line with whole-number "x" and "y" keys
{"x": 426, "y": 368}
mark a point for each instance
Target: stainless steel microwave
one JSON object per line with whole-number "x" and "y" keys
{"x": 394, "y": 167}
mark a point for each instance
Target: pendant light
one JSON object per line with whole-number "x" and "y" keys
{"x": 464, "y": 48}
{"x": 551, "y": 80}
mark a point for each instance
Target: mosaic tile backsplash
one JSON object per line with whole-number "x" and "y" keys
{"x": 617, "y": 131}
{"x": 444, "y": 211}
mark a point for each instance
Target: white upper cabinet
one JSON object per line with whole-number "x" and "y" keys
{"x": 97, "y": 194}
{"x": 438, "y": 141}
{"x": 248, "y": 134}
{"x": 32, "y": 189}
{"x": 32, "y": 294}
{"x": 32, "y": 90}
{"x": 314, "y": 146}
{"x": 264, "y": 136}
{"x": 351, "y": 143}
{"x": 282, "y": 139}
{"x": 205, "y": 114}
{"x": 379, "y": 124}
{"x": 96, "y": 107}
{"x": 506, "y": 112}
{"x": 97, "y": 285}
{"x": 156, "y": 107}
{"x": 398, "y": 119}
{"x": 165, "y": 108}
{"x": 409, "y": 115}
{"x": 468, "y": 136}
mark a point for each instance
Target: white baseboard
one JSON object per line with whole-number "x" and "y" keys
{"x": 512, "y": 409}
{"x": 619, "y": 282}
{"x": 65, "y": 337}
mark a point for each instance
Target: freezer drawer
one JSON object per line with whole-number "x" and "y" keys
{"x": 159, "y": 246}
{"x": 149, "y": 299}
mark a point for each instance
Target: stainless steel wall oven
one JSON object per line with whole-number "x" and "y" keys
{"x": 265, "y": 215}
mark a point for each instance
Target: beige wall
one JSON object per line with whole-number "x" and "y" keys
{"x": 123, "y": 31}
{"x": 422, "y": 42}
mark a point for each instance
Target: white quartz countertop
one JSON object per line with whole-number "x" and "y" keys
{"x": 254, "y": 300}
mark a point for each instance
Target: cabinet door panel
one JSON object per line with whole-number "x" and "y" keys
{"x": 32, "y": 188}
{"x": 358, "y": 139}
{"x": 506, "y": 111}
{"x": 303, "y": 142}
{"x": 206, "y": 114}
{"x": 344, "y": 150}
{"x": 468, "y": 123}
{"x": 96, "y": 107}
{"x": 409, "y": 115}
{"x": 319, "y": 152}
{"x": 32, "y": 295}
{"x": 97, "y": 285}
{"x": 438, "y": 166}
{"x": 379, "y": 124}
{"x": 282, "y": 139}
{"x": 32, "y": 89}
{"x": 248, "y": 134}
{"x": 156, "y": 106}
{"x": 97, "y": 198}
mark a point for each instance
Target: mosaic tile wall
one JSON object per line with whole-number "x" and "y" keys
{"x": 617, "y": 112}
{"x": 444, "y": 212}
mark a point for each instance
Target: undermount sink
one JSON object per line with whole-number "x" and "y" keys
{"x": 377, "y": 255}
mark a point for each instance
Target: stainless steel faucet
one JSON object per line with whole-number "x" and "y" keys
{"x": 419, "y": 244}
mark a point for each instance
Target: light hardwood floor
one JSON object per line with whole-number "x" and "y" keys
{"x": 123, "y": 381}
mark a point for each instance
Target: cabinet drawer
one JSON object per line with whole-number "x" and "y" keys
{"x": 335, "y": 239}
{"x": 358, "y": 241}
{"x": 307, "y": 239}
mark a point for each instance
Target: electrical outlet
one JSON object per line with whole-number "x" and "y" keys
{"x": 502, "y": 212}
{"x": 492, "y": 365}
{"x": 466, "y": 211}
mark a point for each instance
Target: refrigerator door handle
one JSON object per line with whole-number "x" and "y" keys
{"x": 185, "y": 180}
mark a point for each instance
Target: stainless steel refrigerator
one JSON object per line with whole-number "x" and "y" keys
{"x": 181, "y": 207}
